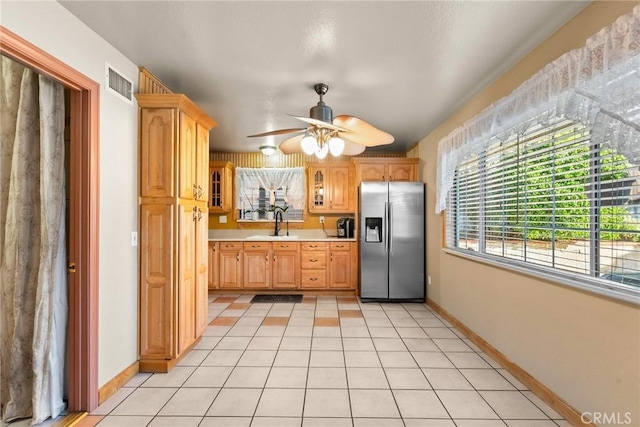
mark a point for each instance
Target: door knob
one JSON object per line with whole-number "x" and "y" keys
{"x": 71, "y": 268}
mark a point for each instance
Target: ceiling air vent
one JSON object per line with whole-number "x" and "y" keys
{"x": 118, "y": 84}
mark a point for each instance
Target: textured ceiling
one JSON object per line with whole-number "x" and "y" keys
{"x": 401, "y": 66}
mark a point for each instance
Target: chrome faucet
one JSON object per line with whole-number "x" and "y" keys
{"x": 277, "y": 229}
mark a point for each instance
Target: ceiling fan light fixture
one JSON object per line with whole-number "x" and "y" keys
{"x": 268, "y": 150}
{"x": 336, "y": 146}
{"x": 322, "y": 152}
{"x": 309, "y": 144}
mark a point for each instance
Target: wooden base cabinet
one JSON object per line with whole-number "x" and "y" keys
{"x": 230, "y": 263}
{"x": 306, "y": 265}
{"x": 174, "y": 259}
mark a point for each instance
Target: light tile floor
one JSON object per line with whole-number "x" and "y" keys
{"x": 327, "y": 361}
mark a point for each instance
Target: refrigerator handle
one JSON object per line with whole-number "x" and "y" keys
{"x": 385, "y": 231}
{"x": 389, "y": 226}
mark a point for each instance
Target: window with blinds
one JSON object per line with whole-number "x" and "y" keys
{"x": 551, "y": 199}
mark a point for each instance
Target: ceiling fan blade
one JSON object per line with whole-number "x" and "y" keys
{"x": 277, "y": 132}
{"x": 320, "y": 123}
{"x": 361, "y": 132}
{"x": 292, "y": 145}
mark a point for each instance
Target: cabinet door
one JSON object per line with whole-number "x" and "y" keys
{"x": 286, "y": 269}
{"x": 156, "y": 152}
{"x": 187, "y": 158}
{"x": 156, "y": 281}
{"x": 202, "y": 164}
{"x": 318, "y": 192}
{"x": 257, "y": 270}
{"x": 340, "y": 189}
{"x": 372, "y": 172}
{"x": 202, "y": 269}
{"x": 402, "y": 172}
{"x": 186, "y": 286}
{"x": 213, "y": 265}
{"x": 340, "y": 269}
{"x": 230, "y": 264}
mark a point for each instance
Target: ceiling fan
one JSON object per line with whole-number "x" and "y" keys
{"x": 325, "y": 134}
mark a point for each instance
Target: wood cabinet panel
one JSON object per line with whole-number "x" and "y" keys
{"x": 156, "y": 152}
{"x": 286, "y": 269}
{"x": 186, "y": 276}
{"x": 313, "y": 260}
{"x": 202, "y": 164}
{"x": 340, "y": 270}
{"x": 202, "y": 270}
{"x": 256, "y": 246}
{"x": 214, "y": 269}
{"x": 220, "y": 187}
{"x": 257, "y": 269}
{"x": 313, "y": 279}
{"x": 313, "y": 246}
{"x": 373, "y": 172}
{"x": 230, "y": 264}
{"x": 156, "y": 272}
{"x": 402, "y": 172}
{"x": 187, "y": 157}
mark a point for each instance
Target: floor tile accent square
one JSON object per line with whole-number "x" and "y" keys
{"x": 224, "y": 321}
{"x": 225, "y": 299}
{"x": 350, "y": 313}
{"x": 239, "y": 306}
{"x": 275, "y": 321}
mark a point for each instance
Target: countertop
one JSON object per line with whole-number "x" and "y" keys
{"x": 267, "y": 235}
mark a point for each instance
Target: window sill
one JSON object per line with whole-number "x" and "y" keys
{"x": 621, "y": 292}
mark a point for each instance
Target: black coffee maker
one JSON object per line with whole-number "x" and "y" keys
{"x": 345, "y": 227}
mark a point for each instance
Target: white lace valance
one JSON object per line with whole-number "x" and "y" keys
{"x": 597, "y": 85}
{"x": 249, "y": 180}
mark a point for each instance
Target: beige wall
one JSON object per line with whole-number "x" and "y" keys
{"x": 584, "y": 347}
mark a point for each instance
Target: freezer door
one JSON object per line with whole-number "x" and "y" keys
{"x": 406, "y": 240}
{"x": 374, "y": 269}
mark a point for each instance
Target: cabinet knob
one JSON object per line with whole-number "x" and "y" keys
{"x": 313, "y": 260}
{"x": 313, "y": 279}
{"x": 238, "y": 257}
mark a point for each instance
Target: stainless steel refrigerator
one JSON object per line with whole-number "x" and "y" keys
{"x": 392, "y": 241}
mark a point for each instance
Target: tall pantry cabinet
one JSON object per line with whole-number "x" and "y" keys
{"x": 174, "y": 176}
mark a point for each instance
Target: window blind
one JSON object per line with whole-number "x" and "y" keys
{"x": 550, "y": 198}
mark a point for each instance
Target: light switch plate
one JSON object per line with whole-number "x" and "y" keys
{"x": 222, "y": 219}
{"x": 134, "y": 238}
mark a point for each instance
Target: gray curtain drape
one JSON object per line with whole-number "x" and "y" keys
{"x": 32, "y": 245}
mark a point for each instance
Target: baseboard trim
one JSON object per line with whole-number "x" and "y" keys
{"x": 71, "y": 419}
{"x": 556, "y": 403}
{"x": 116, "y": 383}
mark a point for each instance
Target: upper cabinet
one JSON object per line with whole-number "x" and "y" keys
{"x": 331, "y": 187}
{"x": 173, "y": 166}
{"x": 385, "y": 169}
{"x": 220, "y": 186}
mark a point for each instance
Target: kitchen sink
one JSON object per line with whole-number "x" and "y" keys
{"x": 266, "y": 237}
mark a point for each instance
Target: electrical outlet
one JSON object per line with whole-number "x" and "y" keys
{"x": 134, "y": 238}
{"x": 428, "y": 280}
{"x": 321, "y": 220}
{"x": 222, "y": 219}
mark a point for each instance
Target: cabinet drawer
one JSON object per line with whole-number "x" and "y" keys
{"x": 339, "y": 246}
{"x": 313, "y": 260}
{"x": 314, "y": 279}
{"x": 285, "y": 246}
{"x": 314, "y": 246}
{"x": 256, "y": 246}
{"x": 230, "y": 246}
